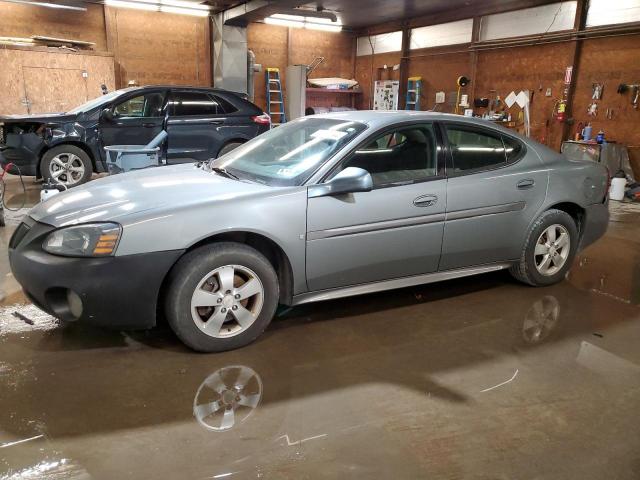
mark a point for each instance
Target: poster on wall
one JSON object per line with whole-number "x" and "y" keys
{"x": 386, "y": 95}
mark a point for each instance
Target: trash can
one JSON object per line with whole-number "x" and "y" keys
{"x": 123, "y": 158}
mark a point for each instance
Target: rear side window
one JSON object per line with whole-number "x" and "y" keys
{"x": 513, "y": 148}
{"x": 183, "y": 104}
{"x": 475, "y": 150}
{"x": 225, "y": 105}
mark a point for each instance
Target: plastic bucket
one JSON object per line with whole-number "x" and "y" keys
{"x": 616, "y": 192}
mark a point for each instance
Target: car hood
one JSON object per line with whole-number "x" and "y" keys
{"x": 40, "y": 118}
{"x": 133, "y": 196}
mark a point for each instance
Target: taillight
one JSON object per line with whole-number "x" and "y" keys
{"x": 263, "y": 119}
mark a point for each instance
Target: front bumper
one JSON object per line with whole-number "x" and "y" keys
{"x": 119, "y": 292}
{"x": 26, "y": 160}
{"x": 596, "y": 222}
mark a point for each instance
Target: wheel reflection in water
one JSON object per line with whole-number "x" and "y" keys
{"x": 227, "y": 398}
{"x": 541, "y": 319}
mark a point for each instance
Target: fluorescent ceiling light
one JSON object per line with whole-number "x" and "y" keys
{"x": 166, "y": 6}
{"x": 300, "y": 21}
{"x": 60, "y": 6}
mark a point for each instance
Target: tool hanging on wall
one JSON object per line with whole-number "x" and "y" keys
{"x": 634, "y": 89}
{"x": 461, "y": 82}
{"x": 274, "y": 95}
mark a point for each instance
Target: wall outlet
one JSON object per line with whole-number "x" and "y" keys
{"x": 548, "y": 92}
{"x": 440, "y": 97}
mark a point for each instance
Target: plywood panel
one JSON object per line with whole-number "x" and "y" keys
{"x": 439, "y": 73}
{"x": 50, "y": 79}
{"x": 276, "y": 46}
{"x": 534, "y": 68}
{"x": 159, "y": 48}
{"x": 368, "y": 71}
{"x": 53, "y": 89}
{"x": 19, "y": 20}
{"x": 269, "y": 43}
{"x": 610, "y": 61}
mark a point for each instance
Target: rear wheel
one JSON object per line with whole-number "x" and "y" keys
{"x": 66, "y": 164}
{"x": 549, "y": 250}
{"x": 221, "y": 297}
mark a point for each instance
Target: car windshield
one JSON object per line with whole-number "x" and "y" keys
{"x": 96, "y": 102}
{"x": 289, "y": 154}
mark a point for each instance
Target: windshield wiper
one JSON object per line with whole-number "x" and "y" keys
{"x": 225, "y": 172}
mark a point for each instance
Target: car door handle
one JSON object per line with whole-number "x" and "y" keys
{"x": 216, "y": 122}
{"x": 524, "y": 184}
{"x": 425, "y": 201}
{"x": 149, "y": 125}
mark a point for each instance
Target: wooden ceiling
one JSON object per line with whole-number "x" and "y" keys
{"x": 362, "y": 14}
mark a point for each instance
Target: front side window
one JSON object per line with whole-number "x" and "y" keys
{"x": 406, "y": 155}
{"x": 141, "y": 106}
{"x": 289, "y": 154}
{"x": 474, "y": 150}
{"x": 184, "y": 104}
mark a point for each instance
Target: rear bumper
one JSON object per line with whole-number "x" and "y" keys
{"x": 120, "y": 292}
{"x": 596, "y": 223}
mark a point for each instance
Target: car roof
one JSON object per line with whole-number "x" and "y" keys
{"x": 382, "y": 118}
{"x": 188, "y": 87}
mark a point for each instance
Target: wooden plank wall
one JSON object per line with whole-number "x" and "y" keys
{"x": 276, "y": 46}
{"x": 52, "y": 80}
{"x": 21, "y": 20}
{"x": 158, "y": 48}
{"x": 608, "y": 60}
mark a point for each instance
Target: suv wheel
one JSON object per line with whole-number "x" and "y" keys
{"x": 549, "y": 250}
{"x": 66, "y": 164}
{"x": 228, "y": 147}
{"x": 221, "y": 296}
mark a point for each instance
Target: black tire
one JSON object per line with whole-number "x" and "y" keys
{"x": 525, "y": 270}
{"x": 228, "y": 147}
{"x": 192, "y": 268}
{"x": 49, "y": 155}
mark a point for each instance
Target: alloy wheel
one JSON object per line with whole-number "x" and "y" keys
{"x": 67, "y": 169}
{"x": 227, "y": 301}
{"x": 552, "y": 249}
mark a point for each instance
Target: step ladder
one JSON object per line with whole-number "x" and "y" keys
{"x": 414, "y": 89}
{"x": 275, "y": 101}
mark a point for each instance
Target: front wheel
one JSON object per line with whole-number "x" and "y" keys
{"x": 221, "y": 296}
{"x": 548, "y": 253}
{"x": 66, "y": 164}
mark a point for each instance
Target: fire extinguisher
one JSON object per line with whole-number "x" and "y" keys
{"x": 561, "y": 113}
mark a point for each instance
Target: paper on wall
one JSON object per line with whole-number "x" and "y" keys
{"x": 511, "y": 99}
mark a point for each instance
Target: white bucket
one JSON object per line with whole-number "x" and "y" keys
{"x": 616, "y": 192}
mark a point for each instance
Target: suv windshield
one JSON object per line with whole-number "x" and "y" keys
{"x": 289, "y": 154}
{"x": 91, "y": 104}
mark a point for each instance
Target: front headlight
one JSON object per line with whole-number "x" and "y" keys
{"x": 87, "y": 240}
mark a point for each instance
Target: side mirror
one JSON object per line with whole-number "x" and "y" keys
{"x": 349, "y": 180}
{"x": 107, "y": 115}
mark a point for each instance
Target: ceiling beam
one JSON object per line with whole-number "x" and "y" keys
{"x": 256, "y": 11}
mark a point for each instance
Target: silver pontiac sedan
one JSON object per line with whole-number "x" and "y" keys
{"x": 323, "y": 207}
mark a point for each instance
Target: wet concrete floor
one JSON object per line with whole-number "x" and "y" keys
{"x": 480, "y": 378}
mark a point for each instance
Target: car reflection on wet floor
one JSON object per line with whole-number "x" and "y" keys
{"x": 474, "y": 378}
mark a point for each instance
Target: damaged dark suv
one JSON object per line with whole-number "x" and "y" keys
{"x": 201, "y": 123}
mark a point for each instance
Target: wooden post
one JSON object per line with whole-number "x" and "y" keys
{"x": 475, "y": 37}
{"x": 404, "y": 68}
{"x": 111, "y": 27}
{"x": 578, "y": 25}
